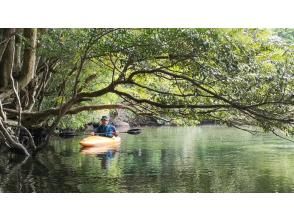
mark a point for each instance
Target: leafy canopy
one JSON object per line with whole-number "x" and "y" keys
{"x": 236, "y": 76}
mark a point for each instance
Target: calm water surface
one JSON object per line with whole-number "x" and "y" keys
{"x": 195, "y": 159}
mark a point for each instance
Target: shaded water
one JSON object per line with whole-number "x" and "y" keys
{"x": 198, "y": 159}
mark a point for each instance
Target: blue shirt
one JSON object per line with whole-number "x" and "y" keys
{"x": 105, "y": 130}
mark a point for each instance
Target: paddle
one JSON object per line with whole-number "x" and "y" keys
{"x": 134, "y": 131}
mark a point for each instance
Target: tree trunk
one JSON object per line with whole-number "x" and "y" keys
{"x": 29, "y": 57}
{"x": 6, "y": 63}
{"x": 18, "y": 47}
{"x": 17, "y": 69}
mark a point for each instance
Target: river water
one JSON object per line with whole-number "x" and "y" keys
{"x": 165, "y": 159}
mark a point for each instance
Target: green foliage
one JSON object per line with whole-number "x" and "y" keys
{"x": 76, "y": 121}
{"x": 236, "y": 67}
{"x": 79, "y": 121}
{"x": 286, "y": 34}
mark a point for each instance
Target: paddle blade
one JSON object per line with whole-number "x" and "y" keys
{"x": 134, "y": 131}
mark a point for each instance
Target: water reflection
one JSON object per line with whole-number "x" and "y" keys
{"x": 107, "y": 158}
{"x": 202, "y": 159}
{"x": 21, "y": 174}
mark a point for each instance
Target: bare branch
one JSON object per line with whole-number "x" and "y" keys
{"x": 3, "y": 115}
{"x": 280, "y": 136}
{"x": 10, "y": 140}
{"x": 98, "y": 107}
{"x": 31, "y": 139}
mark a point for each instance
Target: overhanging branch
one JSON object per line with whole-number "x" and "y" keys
{"x": 166, "y": 106}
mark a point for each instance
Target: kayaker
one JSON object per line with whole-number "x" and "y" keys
{"x": 105, "y": 129}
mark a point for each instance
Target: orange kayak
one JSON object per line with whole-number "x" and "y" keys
{"x": 99, "y": 141}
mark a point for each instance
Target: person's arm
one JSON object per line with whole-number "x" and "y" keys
{"x": 95, "y": 130}
{"x": 114, "y": 131}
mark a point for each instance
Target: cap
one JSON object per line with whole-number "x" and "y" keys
{"x": 104, "y": 118}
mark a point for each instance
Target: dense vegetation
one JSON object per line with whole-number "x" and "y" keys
{"x": 239, "y": 77}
